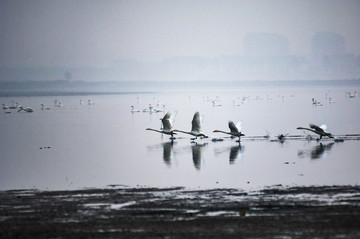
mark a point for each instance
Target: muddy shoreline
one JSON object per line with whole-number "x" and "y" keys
{"x": 118, "y": 211}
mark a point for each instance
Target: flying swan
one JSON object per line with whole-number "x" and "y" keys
{"x": 167, "y": 122}
{"x": 320, "y": 130}
{"x": 235, "y": 130}
{"x": 195, "y": 129}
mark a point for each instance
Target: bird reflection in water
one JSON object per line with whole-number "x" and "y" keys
{"x": 235, "y": 153}
{"x": 196, "y": 154}
{"x": 317, "y": 152}
{"x": 168, "y": 152}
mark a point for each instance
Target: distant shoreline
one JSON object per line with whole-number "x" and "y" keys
{"x": 68, "y": 88}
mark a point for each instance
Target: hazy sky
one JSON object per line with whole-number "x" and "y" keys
{"x": 95, "y": 33}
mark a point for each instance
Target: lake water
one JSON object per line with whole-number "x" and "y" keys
{"x": 79, "y": 146}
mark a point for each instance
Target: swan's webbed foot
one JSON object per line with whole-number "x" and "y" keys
{"x": 172, "y": 138}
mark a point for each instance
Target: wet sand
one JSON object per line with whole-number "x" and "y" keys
{"x": 118, "y": 212}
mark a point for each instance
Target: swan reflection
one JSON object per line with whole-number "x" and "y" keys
{"x": 318, "y": 151}
{"x": 236, "y": 152}
{"x": 197, "y": 154}
{"x": 168, "y": 152}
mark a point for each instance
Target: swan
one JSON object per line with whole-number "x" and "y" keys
{"x": 44, "y": 108}
{"x": 316, "y": 102}
{"x": 26, "y": 109}
{"x": 167, "y": 121}
{"x": 215, "y": 104}
{"x": 150, "y": 109}
{"x": 157, "y": 110}
{"x": 235, "y": 130}
{"x": 5, "y": 107}
{"x": 320, "y": 130}
{"x": 13, "y": 106}
{"x": 235, "y": 104}
{"x": 57, "y": 103}
{"x": 195, "y": 129}
{"x": 133, "y": 110}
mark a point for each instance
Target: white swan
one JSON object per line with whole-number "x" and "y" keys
{"x": 5, "y": 107}
{"x": 215, "y": 104}
{"x": 195, "y": 129}
{"x": 150, "y": 109}
{"x": 235, "y": 130}
{"x": 167, "y": 122}
{"x": 133, "y": 110}
{"x": 44, "y": 108}
{"x": 13, "y": 106}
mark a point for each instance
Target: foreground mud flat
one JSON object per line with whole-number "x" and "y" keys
{"x": 116, "y": 211}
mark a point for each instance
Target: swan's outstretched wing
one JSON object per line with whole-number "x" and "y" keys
{"x": 165, "y": 121}
{"x": 233, "y": 128}
{"x": 172, "y": 118}
{"x": 239, "y": 126}
{"x": 324, "y": 127}
{"x": 196, "y": 126}
{"x": 316, "y": 128}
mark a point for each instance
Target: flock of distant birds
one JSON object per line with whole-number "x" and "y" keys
{"x": 19, "y": 108}
{"x": 196, "y": 131}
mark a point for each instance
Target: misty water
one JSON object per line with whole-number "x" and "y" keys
{"x": 80, "y": 145}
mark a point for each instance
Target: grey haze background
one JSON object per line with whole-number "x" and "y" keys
{"x": 159, "y": 40}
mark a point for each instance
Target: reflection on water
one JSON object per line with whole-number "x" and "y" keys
{"x": 236, "y": 152}
{"x": 196, "y": 149}
{"x": 317, "y": 152}
{"x": 168, "y": 153}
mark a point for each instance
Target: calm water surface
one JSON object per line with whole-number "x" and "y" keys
{"x": 77, "y": 146}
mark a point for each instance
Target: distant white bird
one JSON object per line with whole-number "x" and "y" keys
{"x": 351, "y": 95}
{"x": 167, "y": 122}
{"x": 90, "y": 102}
{"x": 215, "y": 104}
{"x": 235, "y": 104}
{"x": 235, "y": 130}
{"x": 133, "y": 110}
{"x": 320, "y": 130}
{"x": 157, "y": 110}
{"x": 44, "y": 108}
{"x": 57, "y": 103}
{"x": 5, "y": 107}
{"x": 195, "y": 129}
{"x": 26, "y": 109}
{"x": 150, "y": 109}
{"x": 13, "y": 106}
{"x": 316, "y": 102}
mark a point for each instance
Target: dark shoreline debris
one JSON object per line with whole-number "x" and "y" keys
{"x": 141, "y": 212}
